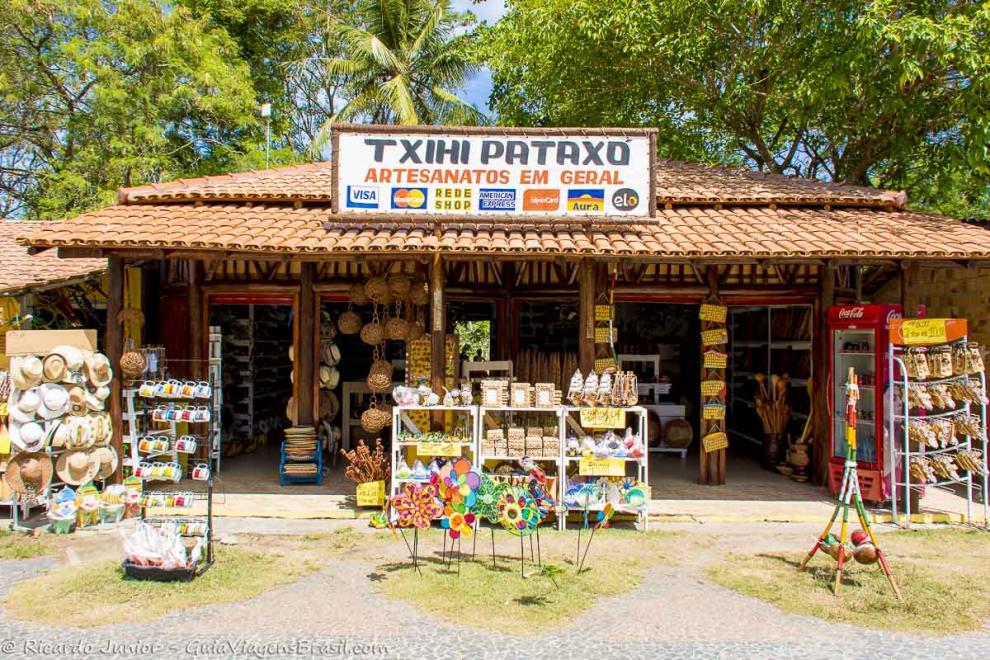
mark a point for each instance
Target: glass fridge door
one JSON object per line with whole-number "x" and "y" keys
{"x": 857, "y": 349}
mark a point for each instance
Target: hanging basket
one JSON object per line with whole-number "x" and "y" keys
{"x": 358, "y": 295}
{"x": 399, "y": 286}
{"x": 380, "y": 376}
{"x": 133, "y": 364}
{"x": 373, "y": 333}
{"x": 416, "y": 331}
{"x": 377, "y": 290}
{"x": 419, "y": 294}
{"x": 373, "y": 420}
{"x": 397, "y": 329}
{"x": 349, "y": 323}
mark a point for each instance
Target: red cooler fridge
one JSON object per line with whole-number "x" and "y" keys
{"x": 858, "y": 338}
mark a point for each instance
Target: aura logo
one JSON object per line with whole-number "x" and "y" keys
{"x": 408, "y": 198}
{"x": 586, "y": 199}
{"x": 362, "y": 197}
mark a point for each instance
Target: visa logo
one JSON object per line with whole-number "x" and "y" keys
{"x": 362, "y": 197}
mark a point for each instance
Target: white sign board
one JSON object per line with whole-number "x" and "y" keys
{"x": 483, "y": 172}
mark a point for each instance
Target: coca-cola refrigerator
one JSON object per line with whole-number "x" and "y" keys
{"x": 858, "y": 336}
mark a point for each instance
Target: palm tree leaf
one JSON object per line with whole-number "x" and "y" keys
{"x": 369, "y": 46}
{"x": 457, "y": 108}
{"x": 430, "y": 28}
{"x": 397, "y": 94}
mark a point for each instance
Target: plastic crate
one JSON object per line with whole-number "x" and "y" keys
{"x": 870, "y": 482}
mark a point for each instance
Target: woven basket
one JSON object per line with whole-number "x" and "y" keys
{"x": 373, "y": 420}
{"x": 396, "y": 328}
{"x": 373, "y": 333}
{"x": 399, "y": 286}
{"x": 677, "y": 433}
{"x": 714, "y": 336}
{"x": 349, "y": 323}
{"x": 419, "y": 294}
{"x": 133, "y": 364}
{"x": 358, "y": 296}
{"x": 415, "y": 331}
{"x": 380, "y": 376}
{"x": 712, "y": 387}
{"x": 377, "y": 290}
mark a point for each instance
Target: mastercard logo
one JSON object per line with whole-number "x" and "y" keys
{"x": 408, "y": 198}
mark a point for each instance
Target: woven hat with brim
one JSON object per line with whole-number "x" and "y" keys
{"x": 23, "y": 406}
{"x": 54, "y": 401}
{"x": 54, "y": 368}
{"x": 102, "y": 428}
{"x": 28, "y": 437}
{"x": 27, "y": 471}
{"x": 78, "y": 401}
{"x": 98, "y": 368}
{"x": 72, "y": 356}
{"x": 93, "y": 402}
{"x": 26, "y": 372}
{"x": 106, "y": 460}
{"x": 329, "y": 405}
{"x": 77, "y": 467}
{"x": 330, "y": 354}
{"x": 332, "y": 380}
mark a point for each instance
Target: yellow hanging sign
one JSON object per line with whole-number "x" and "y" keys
{"x": 371, "y": 493}
{"x": 926, "y": 332}
{"x": 714, "y": 442}
{"x": 603, "y": 418}
{"x": 602, "y": 467}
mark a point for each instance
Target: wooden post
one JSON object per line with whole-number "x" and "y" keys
{"x": 820, "y": 366}
{"x": 909, "y": 294}
{"x": 438, "y": 332}
{"x": 305, "y": 346}
{"x": 711, "y": 468}
{"x": 114, "y": 349}
{"x": 586, "y": 316}
{"x": 196, "y": 322}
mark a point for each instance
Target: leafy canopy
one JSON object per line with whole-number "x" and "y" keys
{"x": 881, "y": 92}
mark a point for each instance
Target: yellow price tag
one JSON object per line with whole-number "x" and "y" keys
{"x": 447, "y": 449}
{"x": 603, "y": 418}
{"x": 371, "y": 493}
{"x": 602, "y": 467}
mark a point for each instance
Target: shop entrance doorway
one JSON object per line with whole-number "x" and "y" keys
{"x": 257, "y": 335}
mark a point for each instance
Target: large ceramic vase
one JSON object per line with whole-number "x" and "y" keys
{"x": 773, "y": 444}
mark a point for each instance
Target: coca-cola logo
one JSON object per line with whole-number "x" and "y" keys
{"x": 893, "y": 314}
{"x": 852, "y": 313}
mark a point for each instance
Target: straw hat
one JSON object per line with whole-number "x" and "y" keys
{"x": 76, "y": 433}
{"x": 54, "y": 401}
{"x": 106, "y": 460}
{"x": 98, "y": 367}
{"x": 93, "y": 402}
{"x": 291, "y": 411}
{"x": 77, "y": 467}
{"x": 29, "y": 471}
{"x": 54, "y": 368}
{"x": 28, "y": 437}
{"x": 330, "y": 354}
{"x": 102, "y": 428}
{"x": 71, "y": 356}
{"x": 329, "y": 377}
{"x": 329, "y": 405}
{"x": 26, "y": 372}
{"x": 24, "y": 407}
{"x": 77, "y": 400}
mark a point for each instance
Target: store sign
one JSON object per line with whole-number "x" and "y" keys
{"x": 926, "y": 332}
{"x": 438, "y": 449}
{"x": 371, "y": 493}
{"x": 483, "y": 172}
{"x": 602, "y": 467}
{"x": 603, "y": 418}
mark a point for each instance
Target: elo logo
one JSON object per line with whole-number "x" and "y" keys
{"x": 408, "y": 198}
{"x": 625, "y": 199}
{"x": 362, "y": 197}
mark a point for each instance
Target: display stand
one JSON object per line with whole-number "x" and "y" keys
{"x": 571, "y": 422}
{"x": 146, "y": 411}
{"x": 926, "y": 336}
{"x": 402, "y": 422}
{"x": 546, "y": 460}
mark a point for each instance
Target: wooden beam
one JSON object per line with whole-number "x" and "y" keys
{"x": 711, "y": 465}
{"x": 114, "y": 349}
{"x": 307, "y": 334}
{"x": 196, "y": 319}
{"x": 586, "y": 316}
{"x": 819, "y": 382}
{"x": 909, "y": 292}
{"x": 438, "y": 332}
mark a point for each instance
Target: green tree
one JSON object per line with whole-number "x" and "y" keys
{"x": 885, "y": 92}
{"x": 403, "y": 58}
{"x": 96, "y": 95}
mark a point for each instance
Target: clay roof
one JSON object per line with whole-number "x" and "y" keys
{"x": 678, "y": 183}
{"x": 681, "y": 232}
{"x": 20, "y": 272}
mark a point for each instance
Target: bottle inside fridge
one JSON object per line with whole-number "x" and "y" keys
{"x": 857, "y": 349}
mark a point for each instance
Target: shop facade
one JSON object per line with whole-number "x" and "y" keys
{"x": 270, "y": 260}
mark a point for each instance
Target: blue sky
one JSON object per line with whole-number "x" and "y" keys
{"x": 479, "y": 86}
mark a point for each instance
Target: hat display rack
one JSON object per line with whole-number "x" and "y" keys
{"x": 56, "y": 434}
{"x": 173, "y": 441}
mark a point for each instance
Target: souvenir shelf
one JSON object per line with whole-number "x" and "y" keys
{"x": 637, "y": 468}
{"x": 919, "y": 420}
{"x": 301, "y": 458}
{"x": 506, "y": 450}
{"x": 459, "y": 417}
{"x": 153, "y": 412}
{"x": 768, "y": 339}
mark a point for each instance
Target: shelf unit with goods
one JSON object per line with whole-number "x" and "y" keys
{"x": 937, "y": 426}
{"x": 175, "y": 419}
{"x": 578, "y": 466}
{"x": 651, "y": 388}
{"x": 509, "y": 433}
{"x": 768, "y": 340}
{"x": 410, "y": 443}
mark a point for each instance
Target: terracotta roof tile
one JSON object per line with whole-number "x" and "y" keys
{"x": 679, "y": 232}
{"x": 677, "y": 183}
{"x": 22, "y": 271}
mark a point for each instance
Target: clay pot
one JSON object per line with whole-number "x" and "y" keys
{"x": 798, "y": 455}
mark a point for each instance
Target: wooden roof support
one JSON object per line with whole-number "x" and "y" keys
{"x": 114, "y": 349}
{"x": 307, "y": 336}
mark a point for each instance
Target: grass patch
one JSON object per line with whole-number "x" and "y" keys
{"x": 501, "y": 600}
{"x": 109, "y": 597}
{"x": 943, "y": 574}
{"x": 21, "y": 546}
